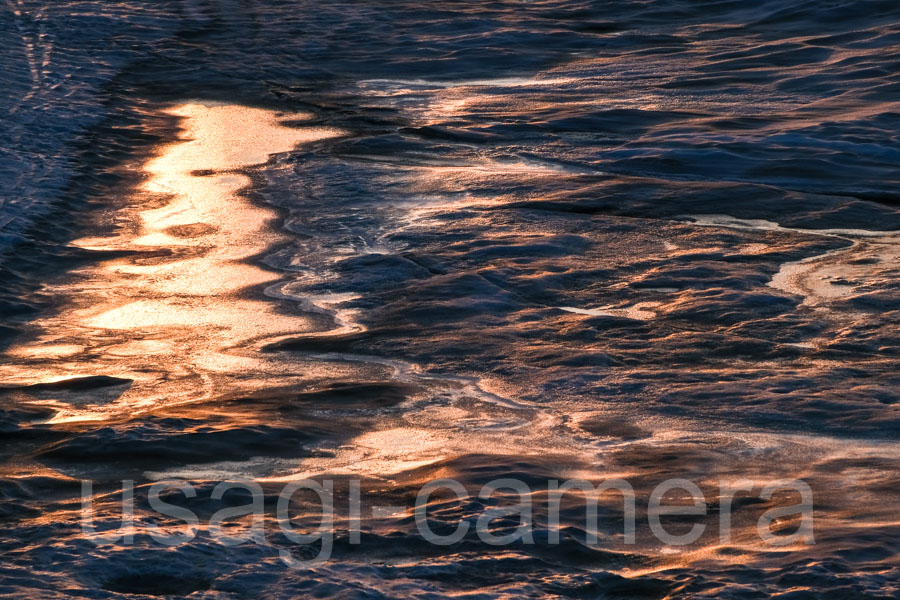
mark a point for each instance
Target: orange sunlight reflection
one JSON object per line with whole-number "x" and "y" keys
{"x": 177, "y": 304}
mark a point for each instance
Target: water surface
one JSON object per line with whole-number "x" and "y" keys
{"x": 397, "y": 242}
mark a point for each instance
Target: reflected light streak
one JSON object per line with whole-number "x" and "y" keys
{"x": 176, "y": 309}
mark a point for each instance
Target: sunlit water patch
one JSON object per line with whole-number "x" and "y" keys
{"x": 178, "y": 307}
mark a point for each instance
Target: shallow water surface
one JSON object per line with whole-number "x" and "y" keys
{"x": 383, "y": 244}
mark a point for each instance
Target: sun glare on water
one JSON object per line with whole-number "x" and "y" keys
{"x": 179, "y": 300}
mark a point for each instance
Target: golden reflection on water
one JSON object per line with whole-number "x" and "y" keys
{"x": 224, "y": 228}
{"x": 178, "y": 307}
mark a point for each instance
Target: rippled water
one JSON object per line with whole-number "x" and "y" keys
{"x": 396, "y": 242}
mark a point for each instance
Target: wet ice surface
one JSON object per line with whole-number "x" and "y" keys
{"x": 540, "y": 241}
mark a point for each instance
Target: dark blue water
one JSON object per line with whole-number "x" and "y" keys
{"x": 647, "y": 239}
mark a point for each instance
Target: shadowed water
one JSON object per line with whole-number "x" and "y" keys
{"x": 401, "y": 242}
